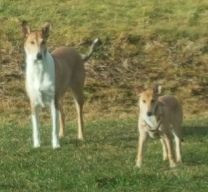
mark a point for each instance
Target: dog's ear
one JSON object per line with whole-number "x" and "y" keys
{"x": 138, "y": 89}
{"x": 25, "y": 28}
{"x": 46, "y": 29}
{"x": 157, "y": 89}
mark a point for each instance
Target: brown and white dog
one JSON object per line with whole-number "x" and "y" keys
{"x": 160, "y": 116}
{"x": 49, "y": 76}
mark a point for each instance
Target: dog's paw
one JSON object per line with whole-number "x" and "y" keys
{"x": 61, "y": 135}
{"x": 36, "y": 145}
{"x": 138, "y": 164}
{"x": 81, "y": 138}
{"x": 173, "y": 165}
{"x": 165, "y": 158}
{"x": 179, "y": 161}
{"x": 57, "y": 146}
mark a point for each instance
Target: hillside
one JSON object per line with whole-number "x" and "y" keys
{"x": 142, "y": 42}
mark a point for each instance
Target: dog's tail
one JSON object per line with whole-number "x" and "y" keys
{"x": 89, "y": 54}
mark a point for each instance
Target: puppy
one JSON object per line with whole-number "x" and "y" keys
{"x": 160, "y": 117}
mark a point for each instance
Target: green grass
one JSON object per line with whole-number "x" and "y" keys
{"x": 142, "y": 42}
{"x": 103, "y": 162}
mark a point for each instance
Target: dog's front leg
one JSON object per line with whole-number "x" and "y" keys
{"x": 55, "y": 124}
{"x": 35, "y": 124}
{"x": 142, "y": 138}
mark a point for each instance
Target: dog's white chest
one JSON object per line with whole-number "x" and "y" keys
{"x": 40, "y": 81}
{"x": 151, "y": 126}
{"x": 151, "y": 121}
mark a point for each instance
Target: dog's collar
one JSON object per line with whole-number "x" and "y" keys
{"x": 157, "y": 114}
{"x": 154, "y": 129}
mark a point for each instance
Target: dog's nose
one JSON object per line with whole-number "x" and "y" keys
{"x": 39, "y": 56}
{"x": 149, "y": 113}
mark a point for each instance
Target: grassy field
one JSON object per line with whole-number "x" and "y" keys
{"x": 142, "y": 42}
{"x": 103, "y": 162}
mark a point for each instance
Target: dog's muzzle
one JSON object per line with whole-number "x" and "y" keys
{"x": 39, "y": 56}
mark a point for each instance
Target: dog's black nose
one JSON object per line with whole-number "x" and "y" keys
{"x": 149, "y": 113}
{"x": 39, "y": 56}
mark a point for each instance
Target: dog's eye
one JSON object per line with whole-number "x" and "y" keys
{"x": 144, "y": 101}
{"x": 32, "y": 42}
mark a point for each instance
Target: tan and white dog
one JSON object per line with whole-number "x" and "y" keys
{"x": 49, "y": 76}
{"x": 160, "y": 116}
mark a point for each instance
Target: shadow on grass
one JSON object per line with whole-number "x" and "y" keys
{"x": 106, "y": 181}
{"x": 73, "y": 141}
{"x": 196, "y": 130}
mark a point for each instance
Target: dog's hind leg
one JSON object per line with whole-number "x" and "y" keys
{"x": 79, "y": 102}
{"x": 169, "y": 144}
{"x": 164, "y": 148}
{"x": 61, "y": 121}
{"x": 177, "y": 148}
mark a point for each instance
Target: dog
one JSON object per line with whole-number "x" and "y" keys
{"x": 49, "y": 76}
{"x": 160, "y": 117}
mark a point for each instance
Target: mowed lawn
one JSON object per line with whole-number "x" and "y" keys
{"x": 103, "y": 162}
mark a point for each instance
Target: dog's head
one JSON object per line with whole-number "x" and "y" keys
{"x": 35, "y": 41}
{"x": 148, "y": 99}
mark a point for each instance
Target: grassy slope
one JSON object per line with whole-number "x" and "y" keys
{"x": 103, "y": 162}
{"x": 143, "y": 42}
